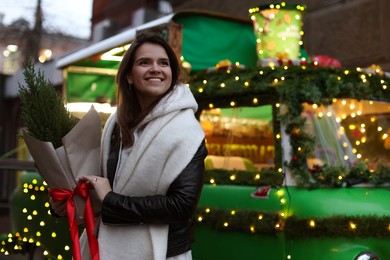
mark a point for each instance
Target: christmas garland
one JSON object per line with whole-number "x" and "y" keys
{"x": 291, "y": 86}
{"x": 247, "y": 221}
{"x": 337, "y": 226}
{"x": 271, "y": 223}
{"x": 251, "y": 178}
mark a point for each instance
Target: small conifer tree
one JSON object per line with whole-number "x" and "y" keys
{"x": 43, "y": 110}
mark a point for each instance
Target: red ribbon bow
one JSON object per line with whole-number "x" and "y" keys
{"x": 82, "y": 190}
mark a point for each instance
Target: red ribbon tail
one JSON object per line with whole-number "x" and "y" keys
{"x": 89, "y": 221}
{"x": 74, "y": 232}
{"x": 90, "y": 226}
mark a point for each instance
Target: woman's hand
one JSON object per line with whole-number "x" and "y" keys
{"x": 59, "y": 207}
{"x": 101, "y": 185}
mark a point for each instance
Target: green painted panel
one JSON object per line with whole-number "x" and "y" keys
{"x": 90, "y": 87}
{"x": 208, "y": 40}
{"x": 260, "y": 112}
{"x": 219, "y": 245}
{"x": 238, "y": 197}
{"x": 340, "y": 201}
{"x": 301, "y": 203}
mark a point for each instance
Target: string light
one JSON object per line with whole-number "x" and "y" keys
{"x": 312, "y": 223}
{"x": 252, "y": 229}
{"x": 16, "y": 242}
{"x": 352, "y": 225}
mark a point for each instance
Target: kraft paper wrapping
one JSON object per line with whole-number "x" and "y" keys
{"x": 79, "y": 156}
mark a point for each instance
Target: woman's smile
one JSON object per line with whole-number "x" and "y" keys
{"x": 151, "y": 75}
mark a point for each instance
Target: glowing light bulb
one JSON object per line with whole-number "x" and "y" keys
{"x": 312, "y": 223}
{"x": 252, "y": 229}
{"x": 352, "y": 225}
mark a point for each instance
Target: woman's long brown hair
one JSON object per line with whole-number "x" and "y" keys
{"x": 129, "y": 112}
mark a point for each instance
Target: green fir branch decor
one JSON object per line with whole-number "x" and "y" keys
{"x": 43, "y": 111}
{"x": 267, "y": 176}
{"x": 248, "y": 221}
{"x": 338, "y": 226}
{"x": 270, "y": 223}
{"x": 290, "y": 87}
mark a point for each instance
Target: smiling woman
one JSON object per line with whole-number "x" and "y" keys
{"x": 153, "y": 153}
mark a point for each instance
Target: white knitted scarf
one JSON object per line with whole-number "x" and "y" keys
{"x": 168, "y": 142}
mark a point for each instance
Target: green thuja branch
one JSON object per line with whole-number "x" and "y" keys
{"x": 43, "y": 111}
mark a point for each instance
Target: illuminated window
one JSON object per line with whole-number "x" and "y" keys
{"x": 350, "y": 130}
{"x": 239, "y": 138}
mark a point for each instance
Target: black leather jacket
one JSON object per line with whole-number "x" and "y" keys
{"x": 175, "y": 209}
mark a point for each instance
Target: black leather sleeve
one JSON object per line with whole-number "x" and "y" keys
{"x": 177, "y": 206}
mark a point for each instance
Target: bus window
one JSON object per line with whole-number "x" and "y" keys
{"x": 239, "y": 138}
{"x": 348, "y": 131}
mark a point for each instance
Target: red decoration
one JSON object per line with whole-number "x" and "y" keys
{"x": 316, "y": 169}
{"x": 325, "y": 61}
{"x": 83, "y": 190}
{"x": 357, "y": 134}
{"x": 96, "y": 58}
{"x": 262, "y": 192}
{"x": 303, "y": 63}
{"x": 285, "y": 62}
{"x": 296, "y": 132}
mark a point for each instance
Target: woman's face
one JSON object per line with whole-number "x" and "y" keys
{"x": 151, "y": 75}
